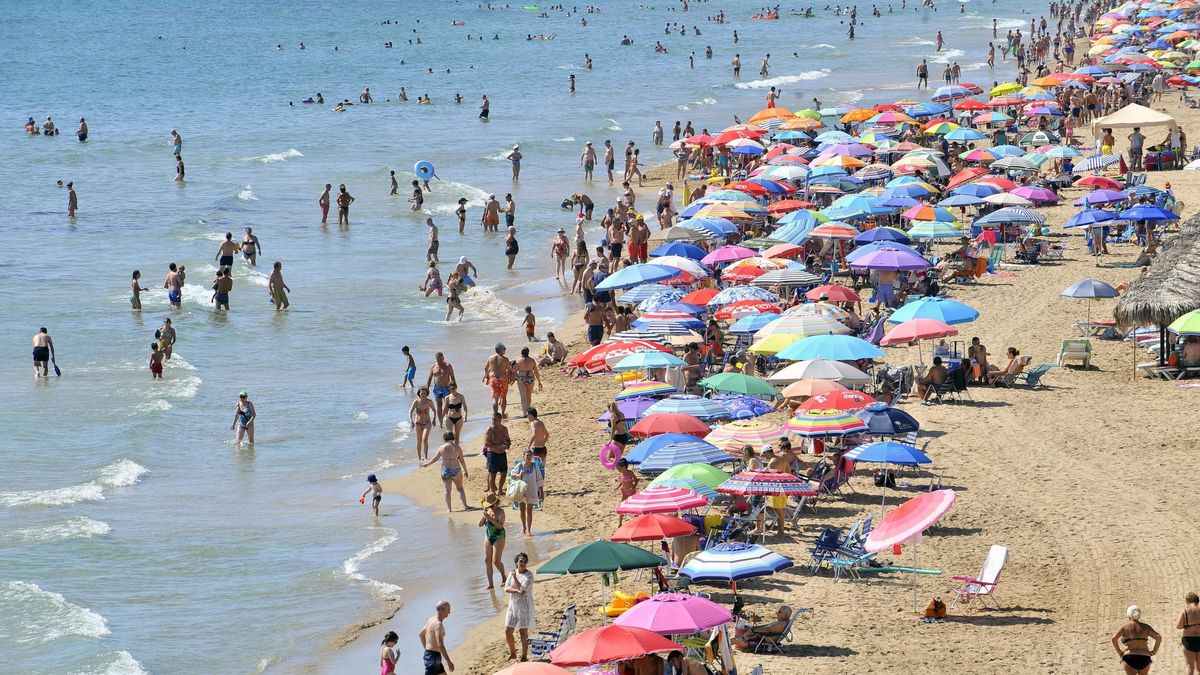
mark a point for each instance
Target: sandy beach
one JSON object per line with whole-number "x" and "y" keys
{"x": 1087, "y": 481}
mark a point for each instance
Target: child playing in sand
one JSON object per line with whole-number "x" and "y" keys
{"x": 627, "y": 484}
{"x": 375, "y": 488}
{"x": 411, "y": 371}
{"x": 530, "y": 324}
{"x": 156, "y": 361}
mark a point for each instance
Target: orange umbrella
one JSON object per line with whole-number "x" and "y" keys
{"x": 769, "y": 114}
{"x": 787, "y": 206}
{"x": 859, "y": 115}
{"x": 844, "y": 161}
{"x": 801, "y": 123}
{"x": 1048, "y": 81}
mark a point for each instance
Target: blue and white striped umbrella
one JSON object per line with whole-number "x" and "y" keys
{"x": 743, "y": 407}
{"x": 1095, "y": 163}
{"x": 665, "y": 327}
{"x": 690, "y": 404}
{"x": 751, "y": 324}
{"x": 644, "y": 292}
{"x": 675, "y": 454}
{"x": 734, "y": 561}
{"x": 638, "y": 453}
{"x": 735, "y": 293}
{"x": 1012, "y": 214}
{"x": 657, "y": 300}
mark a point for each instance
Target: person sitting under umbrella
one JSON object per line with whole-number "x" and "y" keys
{"x": 936, "y": 376}
{"x": 685, "y": 665}
{"x": 748, "y": 637}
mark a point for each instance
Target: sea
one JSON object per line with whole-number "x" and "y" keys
{"x": 134, "y": 535}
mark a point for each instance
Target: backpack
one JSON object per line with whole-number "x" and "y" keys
{"x": 936, "y": 609}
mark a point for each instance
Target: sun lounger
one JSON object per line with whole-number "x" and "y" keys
{"x": 546, "y": 641}
{"x": 982, "y": 587}
{"x": 1075, "y": 350}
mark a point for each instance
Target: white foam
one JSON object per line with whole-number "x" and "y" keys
{"x": 177, "y": 361}
{"x": 279, "y": 156}
{"x": 821, "y": 45}
{"x": 565, "y": 139}
{"x": 155, "y": 406}
{"x": 707, "y": 100}
{"x": 914, "y": 41}
{"x": 975, "y": 66}
{"x": 402, "y": 432}
{"x": 79, "y": 527}
{"x": 1005, "y": 24}
{"x": 360, "y": 415}
{"x": 122, "y": 473}
{"x": 945, "y": 57}
{"x": 183, "y": 387}
{"x": 33, "y": 616}
{"x": 350, "y": 566}
{"x": 613, "y": 125}
{"x": 247, "y": 195}
{"x": 117, "y": 663}
{"x": 784, "y": 79}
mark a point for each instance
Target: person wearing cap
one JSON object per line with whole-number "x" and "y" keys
{"x": 465, "y": 269}
{"x": 559, "y": 249}
{"x": 372, "y": 486}
{"x": 515, "y": 158}
{"x": 587, "y": 159}
{"x": 639, "y": 238}
{"x": 511, "y": 246}
{"x": 498, "y": 374}
{"x": 491, "y": 214}
{"x": 243, "y": 419}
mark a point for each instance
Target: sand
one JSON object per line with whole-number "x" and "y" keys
{"x": 1088, "y": 480}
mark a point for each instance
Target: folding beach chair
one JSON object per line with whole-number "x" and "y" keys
{"x": 825, "y": 546}
{"x": 1033, "y": 378}
{"x": 547, "y": 640}
{"x": 1075, "y": 350}
{"x": 1007, "y": 379}
{"x": 983, "y": 587}
{"x": 774, "y": 643}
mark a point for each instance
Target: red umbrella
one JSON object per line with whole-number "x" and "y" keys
{"x": 777, "y": 149}
{"x": 834, "y": 293}
{"x": 700, "y": 297}
{"x": 595, "y": 358}
{"x": 970, "y": 104}
{"x": 841, "y": 400}
{"x": 669, "y": 423}
{"x": 999, "y": 182}
{"x": 747, "y": 187}
{"x": 783, "y": 251}
{"x": 662, "y": 499}
{"x": 1098, "y": 182}
{"x": 745, "y": 307}
{"x": 734, "y": 134}
{"x": 766, "y": 482}
{"x": 653, "y": 527}
{"x": 698, "y": 139}
{"x": 608, "y": 644}
{"x": 743, "y": 274}
{"x": 971, "y": 87}
{"x": 786, "y": 206}
{"x": 966, "y": 176}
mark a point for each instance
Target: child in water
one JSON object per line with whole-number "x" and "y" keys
{"x": 411, "y": 371}
{"x": 530, "y": 324}
{"x": 156, "y": 361}
{"x": 375, "y": 488}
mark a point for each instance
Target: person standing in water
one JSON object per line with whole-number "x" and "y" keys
{"x": 179, "y": 169}
{"x": 344, "y": 200}
{"x": 221, "y": 287}
{"x": 323, "y": 202}
{"x": 174, "y": 285}
{"x": 515, "y": 157}
{"x": 43, "y": 353}
{"x": 156, "y": 362}
{"x": 82, "y": 131}
{"x": 243, "y": 418}
{"x": 394, "y": 182}
{"x": 410, "y": 372}
{"x": 176, "y": 143}
{"x": 485, "y": 108}
{"x": 431, "y": 251}
{"x": 251, "y": 248}
{"x": 511, "y": 246}
{"x": 587, "y": 159}
{"x": 372, "y": 486}
{"x": 136, "y": 288}
{"x": 72, "y": 200}
{"x": 454, "y": 469}
{"x": 279, "y": 289}
{"x": 225, "y": 252}
{"x": 166, "y": 337}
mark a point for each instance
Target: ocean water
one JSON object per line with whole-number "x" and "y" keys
{"x": 134, "y": 536}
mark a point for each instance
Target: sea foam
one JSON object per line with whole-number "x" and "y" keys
{"x": 279, "y": 156}
{"x": 122, "y": 473}
{"x": 784, "y": 79}
{"x": 350, "y": 565}
{"x": 34, "y": 616}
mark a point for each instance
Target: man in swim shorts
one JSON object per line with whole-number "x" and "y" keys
{"x": 497, "y": 374}
{"x": 433, "y": 637}
{"x": 278, "y": 288}
{"x": 174, "y": 285}
{"x": 441, "y": 375}
{"x": 43, "y": 353}
{"x": 485, "y": 108}
{"x": 594, "y": 318}
{"x": 222, "y": 285}
{"x": 496, "y": 442}
{"x": 226, "y": 251}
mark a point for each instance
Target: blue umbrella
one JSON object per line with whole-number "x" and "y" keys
{"x": 906, "y": 190}
{"x": 634, "y": 275}
{"x": 933, "y": 307}
{"x": 641, "y": 451}
{"x": 644, "y": 292}
{"x": 1147, "y": 212}
{"x": 650, "y": 359}
{"x": 1090, "y": 288}
{"x": 680, "y": 248}
{"x": 826, "y": 170}
{"x": 1089, "y": 217}
{"x": 802, "y": 217}
{"x": 734, "y": 561}
{"x": 960, "y": 200}
{"x": 833, "y": 136}
{"x": 676, "y": 454}
{"x": 748, "y": 325}
{"x": 930, "y": 109}
{"x": 631, "y": 408}
{"x": 976, "y": 190}
{"x": 669, "y": 326}
{"x": 888, "y": 452}
{"x": 747, "y": 150}
{"x": 965, "y": 134}
{"x": 1006, "y": 151}
{"x": 694, "y": 310}
{"x": 881, "y": 234}
{"x": 831, "y": 347}
{"x": 884, "y": 420}
{"x": 715, "y": 227}
{"x": 658, "y": 300}
{"x": 742, "y": 407}
{"x": 689, "y": 404}
{"x": 899, "y": 202}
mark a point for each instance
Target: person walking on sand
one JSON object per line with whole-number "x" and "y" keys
{"x": 72, "y": 200}
{"x": 243, "y": 419}
{"x": 251, "y": 248}
{"x": 1132, "y": 642}
{"x": 497, "y": 374}
{"x": 515, "y": 157}
{"x": 528, "y": 472}
{"x": 433, "y": 639}
{"x": 135, "y": 291}
{"x": 539, "y": 436}
{"x": 323, "y": 202}
{"x": 420, "y": 416}
{"x": 456, "y": 411}
{"x": 493, "y": 537}
{"x": 521, "y": 615}
{"x": 43, "y": 353}
{"x": 166, "y": 337}
{"x": 279, "y": 289}
{"x": 454, "y": 468}
{"x": 1189, "y": 623}
{"x": 525, "y": 372}
{"x": 374, "y": 487}
{"x": 344, "y": 200}
{"x": 496, "y": 442}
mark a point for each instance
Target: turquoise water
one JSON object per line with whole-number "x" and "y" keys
{"x": 135, "y": 536}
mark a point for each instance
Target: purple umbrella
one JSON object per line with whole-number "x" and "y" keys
{"x": 891, "y": 258}
{"x": 727, "y": 254}
{"x": 847, "y": 150}
{"x": 631, "y": 408}
{"x": 1101, "y": 196}
{"x": 1036, "y": 194}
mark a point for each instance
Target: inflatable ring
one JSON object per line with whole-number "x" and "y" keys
{"x": 424, "y": 170}
{"x": 610, "y": 454}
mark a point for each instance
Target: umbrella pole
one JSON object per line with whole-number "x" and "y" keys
{"x": 916, "y": 566}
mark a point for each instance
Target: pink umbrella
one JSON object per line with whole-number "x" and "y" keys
{"x": 907, "y": 522}
{"x": 727, "y": 254}
{"x": 914, "y": 330}
{"x": 1036, "y": 194}
{"x": 675, "y": 614}
{"x": 662, "y": 499}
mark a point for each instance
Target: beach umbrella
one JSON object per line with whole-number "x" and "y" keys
{"x": 1011, "y": 214}
{"x": 752, "y": 323}
{"x": 659, "y": 300}
{"x": 820, "y": 369}
{"x": 927, "y": 213}
{"x": 1036, "y": 194}
{"x": 834, "y": 292}
{"x": 1095, "y": 163}
{"x": 1147, "y": 212}
{"x": 702, "y": 474}
{"x": 734, "y": 561}
{"x": 1090, "y": 217}
{"x": 1102, "y": 196}
{"x": 1062, "y": 152}
{"x": 811, "y": 388}
{"x": 833, "y": 347}
{"x": 628, "y": 277}
{"x": 743, "y": 407}
{"x": 787, "y": 277}
{"x": 731, "y": 295}
{"x": 978, "y": 155}
{"x": 669, "y": 423}
{"x": 842, "y": 400}
{"x": 678, "y": 453}
{"x": 979, "y": 190}
{"x": 675, "y": 614}
{"x": 712, "y": 227}
{"x": 1014, "y": 164}
{"x": 822, "y": 423}
{"x": 690, "y": 404}
{"x": 935, "y": 307}
{"x": 766, "y": 482}
{"x": 676, "y": 233}
{"x": 612, "y": 351}
{"x": 632, "y": 408}
{"x": 609, "y": 644}
{"x": 914, "y": 330}
{"x": 649, "y": 359}
{"x": 661, "y": 499}
{"x": 699, "y": 297}
{"x": 1188, "y": 324}
{"x": 653, "y": 527}
{"x": 889, "y": 257}
{"x": 1006, "y": 199}
{"x": 669, "y": 326}
{"x": 771, "y": 344}
{"x": 733, "y": 435}
{"x": 642, "y": 389}
{"x": 533, "y": 668}
{"x": 741, "y": 308}
{"x": 964, "y": 134}
{"x": 888, "y": 452}
{"x": 1098, "y": 182}
{"x": 907, "y": 522}
{"x": 882, "y": 234}
{"x": 884, "y": 420}
{"x": 679, "y": 249}
{"x": 600, "y": 556}
{"x": 644, "y": 292}
{"x": 1089, "y": 289}
{"x": 963, "y": 178}
{"x": 638, "y": 453}
{"x": 964, "y": 201}
{"x": 835, "y": 230}
{"x": 739, "y": 383}
{"x": 682, "y": 263}
{"x": 785, "y": 250}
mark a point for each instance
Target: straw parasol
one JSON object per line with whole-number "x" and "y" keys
{"x": 1168, "y": 289}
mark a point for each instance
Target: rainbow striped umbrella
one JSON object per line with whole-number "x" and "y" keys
{"x": 732, "y": 436}
{"x": 835, "y": 230}
{"x": 661, "y": 499}
{"x": 925, "y": 212}
{"x": 648, "y": 388}
{"x": 824, "y": 423}
{"x": 765, "y": 482}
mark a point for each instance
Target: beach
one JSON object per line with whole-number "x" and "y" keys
{"x": 160, "y": 526}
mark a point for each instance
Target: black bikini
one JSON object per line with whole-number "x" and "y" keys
{"x": 1190, "y": 642}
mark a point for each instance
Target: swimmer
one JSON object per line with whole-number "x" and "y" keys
{"x": 418, "y": 197}
{"x": 251, "y": 248}
{"x": 135, "y": 299}
{"x": 411, "y": 371}
{"x": 431, "y": 253}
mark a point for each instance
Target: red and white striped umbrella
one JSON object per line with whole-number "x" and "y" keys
{"x": 662, "y": 499}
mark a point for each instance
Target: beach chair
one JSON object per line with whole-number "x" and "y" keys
{"x": 825, "y": 546}
{"x": 984, "y": 586}
{"x": 1006, "y": 379}
{"x": 1075, "y": 350}
{"x": 775, "y": 643}
{"x": 1033, "y": 378}
{"x": 848, "y": 566}
{"x": 546, "y": 641}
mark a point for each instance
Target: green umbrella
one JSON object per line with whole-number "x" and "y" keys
{"x": 1188, "y": 324}
{"x": 706, "y": 474}
{"x": 739, "y": 383}
{"x": 600, "y": 556}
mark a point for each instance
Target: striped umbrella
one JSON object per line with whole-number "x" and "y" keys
{"x": 817, "y": 424}
{"x": 811, "y": 388}
{"x": 689, "y": 404}
{"x": 734, "y": 561}
{"x": 742, "y": 407}
{"x": 882, "y": 420}
{"x": 655, "y": 301}
{"x": 835, "y": 230}
{"x": 765, "y": 482}
{"x": 772, "y": 344}
{"x": 927, "y": 213}
{"x": 673, "y": 455}
{"x": 685, "y": 264}
{"x": 842, "y": 400}
{"x": 644, "y": 360}
{"x": 748, "y": 325}
{"x": 734, "y": 435}
{"x": 803, "y": 325}
{"x": 1096, "y": 163}
{"x": 667, "y": 326}
{"x": 818, "y": 308}
{"x": 1012, "y": 214}
{"x": 706, "y": 491}
{"x": 787, "y": 277}
{"x": 934, "y": 230}
{"x": 644, "y": 292}
{"x": 661, "y": 499}
{"x": 638, "y": 453}
{"x": 665, "y": 314}
{"x": 730, "y": 295}
{"x": 820, "y": 369}
{"x": 649, "y": 388}
{"x": 741, "y": 308}
{"x": 639, "y": 334}
{"x": 612, "y": 351}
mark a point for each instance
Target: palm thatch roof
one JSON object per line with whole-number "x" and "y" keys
{"x": 1170, "y": 287}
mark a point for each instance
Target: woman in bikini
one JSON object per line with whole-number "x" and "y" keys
{"x": 526, "y": 373}
{"x": 456, "y": 411}
{"x": 136, "y": 289}
{"x": 627, "y": 485}
{"x": 493, "y": 537}
{"x": 618, "y": 427}
{"x": 433, "y": 281}
{"x": 578, "y": 262}
{"x": 419, "y": 416}
{"x": 1132, "y": 642}
{"x": 1189, "y": 622}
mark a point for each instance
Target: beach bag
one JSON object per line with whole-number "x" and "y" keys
{"x": 936, "y": 609}
{"x": 885, "y": 479}
{"x": 516, "y": 490}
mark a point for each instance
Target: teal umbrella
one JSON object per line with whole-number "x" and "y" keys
{"x": 600, "y": 556}
{"x": 739, "y": 383}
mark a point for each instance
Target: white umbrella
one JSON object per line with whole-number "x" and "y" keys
{"x": 820, "y": 369}
{"x": 1007, "y": 199}
{"x": 688, "y": 265}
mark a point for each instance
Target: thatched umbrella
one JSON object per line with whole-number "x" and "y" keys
{"x": 1168, "y": 289}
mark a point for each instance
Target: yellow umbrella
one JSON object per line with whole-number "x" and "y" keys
{"x": 773, "y": 344}
{"x": 722, "y": 211}
{"x": 918, "y": 161}
{"x": 770, "y": 114}
{"x": 1004, "y": 88}
{"x": 801, "y": 123}
{"x": 859, "y": 115}
{"x": 809, "y": 113}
